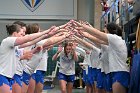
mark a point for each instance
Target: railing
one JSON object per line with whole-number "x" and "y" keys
{"x": 117, "y": 16}
{"x": 105, "y": 18}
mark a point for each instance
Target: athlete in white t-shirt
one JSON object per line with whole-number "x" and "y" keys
{"x": 37, "y": 79}
{"x": 86, "y": 65}
{"x": 17, "y": 79}
{"x": 94, "y": 58}
{"x": 105, "y": 61}
{"x": 67, "y": 66}
{"x": 8, "y": 56}
{"x": 27, "y": 55}
{"x": 31, "y": 65}
{"x": 117, "y": 53}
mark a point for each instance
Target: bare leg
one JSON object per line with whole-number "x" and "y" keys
{"x": 5, "y": 89}
{"x": 31, "y": 87}
{"x": 63, "y": 86}
{"x": 39, "y": 88}
{"x": 94, "y": 88}
{"x": 88, "y": 89}
{"x": 118, "y": 88}
{"x": 16, "y": 88}
{"x": 69, "y": 87}
{"x": 103, "y": 91}
{"x": 99, "y": 90}
{"x": 24, "y": 88}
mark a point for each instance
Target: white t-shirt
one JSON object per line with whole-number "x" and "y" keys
{"x": 30, "y": 65}
{"x": 83, "y": 47}
{"x": 44, "y": 59}
{"x": 43, "y": 62}
{"x": 117, "y": 54}
{"x": 38, "y": 61}
{"x": 86, "y": 57}
{"x": 8, "y": 57}
{"x": 19, "y": 53}
{"x": 94, "y": 57}
{"x": 100, "y": 64}
{"x": 88, "y": 61}
{"x": 104, "y": 59}
{"x": 67, "y": 64}
{"x": 28, "y": 48}
{"x": 80, "y": 50}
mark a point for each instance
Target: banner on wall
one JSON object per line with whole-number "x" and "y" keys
{"x": 38, "y": 9}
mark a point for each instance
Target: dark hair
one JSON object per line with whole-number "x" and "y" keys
{"x": 32, "y": 28}
{"x": 65, "y": 45}
{"x": 114, "y": 29}
{"x": 12, "y": 28}
{"x": 22, "y": 24}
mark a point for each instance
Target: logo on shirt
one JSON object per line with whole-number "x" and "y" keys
{"x": 66, "y": 59}
{"x": 100, "y": 55}
{"x": 18, "y": 52}
{"x": 32, "y": 5}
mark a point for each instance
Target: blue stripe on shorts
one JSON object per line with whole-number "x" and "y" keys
{"x": 26, "y": 77}
{"x": 39, "y": 76}
{"x": 18, "y": 79}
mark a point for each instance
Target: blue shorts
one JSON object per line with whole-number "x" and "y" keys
{"x": 26, "y": 77}
{"x": 6, "y": 80}
{"x": 39, "y": 76}
{"x": 33, "y": 76}
{"x": 122, "y": 77}
{"x": 87, "y": 78}
{"x": 100, "y": 79}
{"x": 108, "y": 82}
{"x": 135, "y": 74}
{"x": 94, "y": 74}
{"x": 18, "y": 79}
{"x": 67, "y": 78}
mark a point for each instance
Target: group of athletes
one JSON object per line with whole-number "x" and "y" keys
{"x": 24, "y": 55}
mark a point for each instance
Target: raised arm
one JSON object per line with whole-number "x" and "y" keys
{"x": 93, "y": 31}
{"x": 52, "y": 32}
{"x": 93, "y": 38}
{"x": 83, "y": 42}
{"x": 56, "y": 55}
{"x": 55, "y": 39}
{"x": 50, "y": 46}
{"x": 75, "y": 56}
{"x": 32, "y": 42}
{"x": 27, "y": 38}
